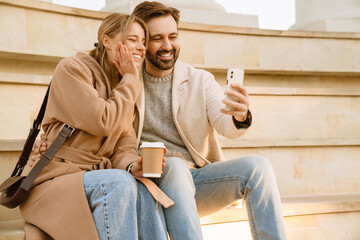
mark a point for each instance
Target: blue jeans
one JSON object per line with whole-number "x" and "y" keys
{"x": 122, "y": 207}
{"x": 206, "y": 190}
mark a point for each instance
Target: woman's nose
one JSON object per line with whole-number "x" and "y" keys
{"x": 140, "y": 46}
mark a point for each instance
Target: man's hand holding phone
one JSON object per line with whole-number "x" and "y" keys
{"x": 236, "y": 96}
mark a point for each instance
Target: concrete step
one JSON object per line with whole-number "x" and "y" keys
{"x": 292, "y": 206}
{"x": 310, "y": 218}
{"x": 332, "y": 226}
{"x": 12, "y": 230}
{"x": 299, "y": 170}
{"x": 306, "y": 217}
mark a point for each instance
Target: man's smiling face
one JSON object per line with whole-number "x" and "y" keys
{"x": 164, "y": 47}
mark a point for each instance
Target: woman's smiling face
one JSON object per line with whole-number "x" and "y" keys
{"x": 134, "y": 42}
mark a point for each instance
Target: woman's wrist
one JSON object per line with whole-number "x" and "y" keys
{"x": 129, "y": 167}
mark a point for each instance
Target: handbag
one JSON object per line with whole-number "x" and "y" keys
{"x": 15, "y": 189}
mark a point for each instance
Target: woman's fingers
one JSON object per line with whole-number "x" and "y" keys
{"x": 125, "y": 62}
{"x": 136, "y": 169}
{"x": 164, "y": 160}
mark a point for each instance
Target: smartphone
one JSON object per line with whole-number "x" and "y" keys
{"x": 234, "y": 75}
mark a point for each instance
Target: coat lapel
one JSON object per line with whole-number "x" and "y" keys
{"x": 179, "y": 86}
{"x": 140, "y": 108}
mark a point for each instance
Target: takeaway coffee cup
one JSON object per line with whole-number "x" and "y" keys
{"x": 152, "y": 154}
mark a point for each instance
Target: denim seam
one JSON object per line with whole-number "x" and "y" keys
{"x": 106, "y": 220}
{"x": 170, "y": 231}
{"x": 221, "y": 180}
{"x": 251, "y": 218}
{"x": 139, "y": 236}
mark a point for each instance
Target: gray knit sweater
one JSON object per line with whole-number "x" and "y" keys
{"x": 158, "y": 123}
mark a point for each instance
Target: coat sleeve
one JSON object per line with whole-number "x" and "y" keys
{"x": 222, "y": 123}
{"x": 125, "y": 150}
{"x": 75, "y": 101}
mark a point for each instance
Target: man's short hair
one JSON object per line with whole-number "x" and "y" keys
{"x": 148, "y": 10}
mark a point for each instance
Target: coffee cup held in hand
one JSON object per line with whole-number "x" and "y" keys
{"x": 152, "y": 158}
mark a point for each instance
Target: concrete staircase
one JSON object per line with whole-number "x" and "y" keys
{"x": 305, "y": 99}
{"x": 325, "y": 217}
{"x": 314, "y": 218}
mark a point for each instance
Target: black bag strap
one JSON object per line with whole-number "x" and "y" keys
{"x": 29, "y": 143}
{"x": 65, "y": 133}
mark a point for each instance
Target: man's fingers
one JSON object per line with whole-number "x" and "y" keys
{"x": 36, "y": 147}
{"x": 240, "y": 88}
{"x": 34, "y": 159}
{"x": 238, "y": 95}
{"x": 42, "y": 136}
{"x": 36, "y": 150}
{"x": 43, "y": 150}
{"x": 236, "y": 106}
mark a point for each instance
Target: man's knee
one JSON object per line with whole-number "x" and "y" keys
{"x": 176, "y": 166}
{"x": 256, "y": 165}
{"x": 176, "y": 175}
{"x": 261, "y": 163}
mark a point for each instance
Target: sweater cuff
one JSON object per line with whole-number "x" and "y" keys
{"x": 244, "y": 124}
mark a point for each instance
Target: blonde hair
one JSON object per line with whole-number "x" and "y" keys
{"x": 112, "y": 25}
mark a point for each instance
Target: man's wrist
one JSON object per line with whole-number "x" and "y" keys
{"x": 244, "y": 124}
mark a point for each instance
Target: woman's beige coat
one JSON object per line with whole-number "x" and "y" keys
{"x": 80, "y": 95}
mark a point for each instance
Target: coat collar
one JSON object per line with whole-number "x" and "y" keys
{"x": 91, "y": 63}
{"x": 96, "y": 69}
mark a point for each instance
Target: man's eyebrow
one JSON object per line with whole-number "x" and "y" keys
{"x": 160, "y": 35}
{"x": 155, "y": 35}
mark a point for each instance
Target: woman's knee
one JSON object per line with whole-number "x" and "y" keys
{"x": 110, "y": 178}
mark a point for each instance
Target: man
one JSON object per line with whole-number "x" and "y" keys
{"x": 183, "y": 107}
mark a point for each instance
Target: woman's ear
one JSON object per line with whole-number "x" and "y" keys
{"x": 106, "y": 41}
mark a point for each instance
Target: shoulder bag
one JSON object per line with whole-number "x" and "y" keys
{"x": 15, "y": 189}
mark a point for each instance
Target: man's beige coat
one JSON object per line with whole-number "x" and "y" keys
{"x": 196, "y": 103}
{"x": 104, "y": 138}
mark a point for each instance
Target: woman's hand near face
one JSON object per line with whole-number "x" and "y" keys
{"x": 124, "y": 61}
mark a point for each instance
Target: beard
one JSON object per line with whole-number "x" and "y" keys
{"x": 163, "y": 64}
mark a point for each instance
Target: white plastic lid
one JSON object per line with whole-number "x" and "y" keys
{"x": 152, "y": 145}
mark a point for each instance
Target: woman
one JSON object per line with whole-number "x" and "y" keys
{"x": 95, "y": 94}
